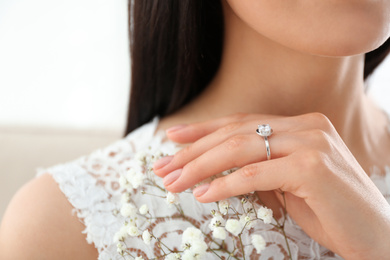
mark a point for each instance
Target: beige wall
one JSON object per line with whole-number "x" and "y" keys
{"x": 22, "y": 150}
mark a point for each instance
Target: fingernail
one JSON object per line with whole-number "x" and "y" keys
{"x": 199, "y": 191}
{"x": 175, "y": 128}
{"x": 173, "y": 176}
{"x": 162, "y": 162}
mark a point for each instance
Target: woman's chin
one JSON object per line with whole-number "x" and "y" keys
{"x": 348, "y": 45}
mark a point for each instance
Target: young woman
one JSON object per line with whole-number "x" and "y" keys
{"x": 212, "y": 71}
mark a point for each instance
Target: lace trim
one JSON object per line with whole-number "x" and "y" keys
{"x": 91, "y": 202}
{"x": 90, "y": 183}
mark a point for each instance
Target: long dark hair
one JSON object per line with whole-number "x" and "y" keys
{"x": 176, "y": 48}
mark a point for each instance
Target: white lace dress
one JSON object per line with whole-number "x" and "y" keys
{"x": 91, "y": 184}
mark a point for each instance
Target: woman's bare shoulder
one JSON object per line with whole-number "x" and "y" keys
{"x": 39, "y": 224}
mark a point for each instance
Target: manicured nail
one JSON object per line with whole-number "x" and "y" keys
{"x": 175, "y": 128}
{"x": 173, "y": 176}
{"x": 199, "y": 191}
{"x": 162, "y": 162}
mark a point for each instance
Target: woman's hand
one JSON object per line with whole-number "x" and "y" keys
{"x": 327, "y": 192}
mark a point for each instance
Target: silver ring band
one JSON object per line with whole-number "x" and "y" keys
{"x": 265, "y": 131}
{"x": 267, "y": 148}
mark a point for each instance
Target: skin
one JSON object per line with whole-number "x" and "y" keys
{"x": 331, "y": 28}
{"x": 314, "y": 66}
{"x": 39, "y": 224}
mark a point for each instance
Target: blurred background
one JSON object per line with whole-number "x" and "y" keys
{"x": 64, "y": 83}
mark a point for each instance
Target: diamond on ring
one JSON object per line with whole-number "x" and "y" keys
{"x": 264, "y": 130}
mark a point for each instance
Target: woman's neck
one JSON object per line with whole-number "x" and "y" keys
{"x": 258, "y": 75}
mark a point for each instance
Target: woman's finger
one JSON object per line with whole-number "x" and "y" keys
{"x": 192, "y": 132}
{"x": 191, "y": 152}
{"x": 241, "y": 150}
{"x": 222, "y": 134}
{"x": 237, "y": 151}
{"x": 264, "y": 176}
{"x": 204, "y": 144}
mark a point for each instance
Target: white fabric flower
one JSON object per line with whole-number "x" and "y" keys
{"x": 198, "y": 248}
{"x": 248, "y": 208}
{"x": 125, "y": 198}
{"x": 141, "y": 156}
{"x": 219, "y": 232}
{"x": 193, "y": 244}
{"x": 119, "y": 248}
{"x": 265, "y": 214}
{"x": 157, "y": 155}
{"x": 124, "y": 183}
{"x": 245, "y": 220}
{"x": 121, "y": 251}
{"x": 133, "y": 231}
{"x": 197, "y": 251}
{"x": 258, "y": 242}
{"x": 144, "y": 209}
{"x": 172, "y": 256}
{"x": 192, "y": 234}
{"x": 147, "y": 237}
{"x": 223, "y": 206}
{"x": 216, "y": 221}
{"x": 121, "y": 235}
{"x": 128, "y": 210}
{"x": 233, "y": 226}
{"x": 172, "y": 198}
{"x": 136, "y": 179}
{"x": 131, "y": 221}
{"x": 189, "y": 255}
